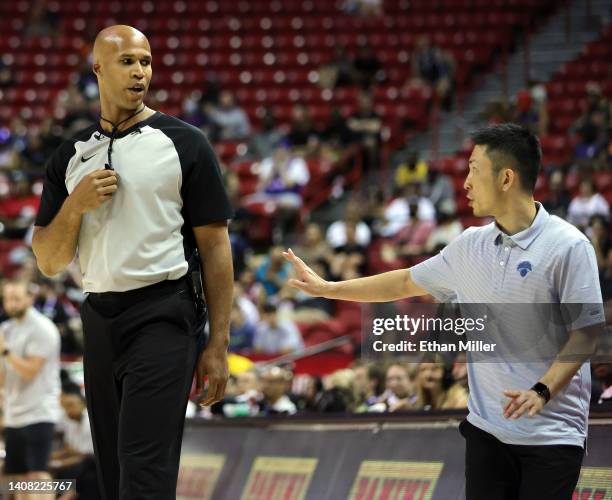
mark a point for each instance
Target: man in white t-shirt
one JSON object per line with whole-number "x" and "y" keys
{"x": 30, "y": 349}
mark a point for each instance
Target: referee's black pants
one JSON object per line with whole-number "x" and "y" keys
{"x": 500, "y": 471}
{"x": 141, "y": 350}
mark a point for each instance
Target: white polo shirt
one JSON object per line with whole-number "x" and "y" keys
{"x": 550, "y": 262}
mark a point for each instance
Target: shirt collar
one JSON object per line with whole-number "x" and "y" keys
{"x": 525, "y": 237}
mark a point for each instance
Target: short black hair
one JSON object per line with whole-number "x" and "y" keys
{"x": 514, "y": 146}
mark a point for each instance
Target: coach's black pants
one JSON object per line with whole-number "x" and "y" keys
{"x": 499, "y": 471}
{"x": 141, "y": 350}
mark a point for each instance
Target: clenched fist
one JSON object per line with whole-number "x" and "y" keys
{"x": 93, "y": 190}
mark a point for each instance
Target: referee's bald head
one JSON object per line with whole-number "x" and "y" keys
{"x": 122, "y": 62}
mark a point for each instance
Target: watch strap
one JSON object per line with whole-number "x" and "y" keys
{"x": 542, "y": 390}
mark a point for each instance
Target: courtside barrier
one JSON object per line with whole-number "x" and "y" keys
{"x": 362, "y": 457}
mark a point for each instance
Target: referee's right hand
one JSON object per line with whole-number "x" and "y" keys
{"x": 93, "y": 190}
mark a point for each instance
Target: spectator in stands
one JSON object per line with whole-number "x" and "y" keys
{"x": 310, "y": 391}
{"x": 243, "y": 399}
{"x": 274, "y": 387}
{"x": 34, "y": 155}
{"x": 435, "y": 388}
{"x": 229, "y": 121}
{"x": 397, "y": 214}
{"x": 558, "y": 198}
{"x": 412, "y": 239}
{"x": 530, "y": 113}
{"x": 252, "y": 289}
{"x": 366, "y": 126}
{"x": 51, "y": 135}
{"x": 267, "y": 139}
{"x": 302, "y": 132}
{"x": 336, "y": 134}
{"x": 242, "y": 332}
{"x": 245, "y": 303}
{"x": 77, "y": 112}
{"x": 338, "y": 395}
{"x": 349, "y": 260}
{"x": 399, "y": 389}
{"x": 339, "y": 71}
{"x": 194, "y": 115}
{"x": 312, "y": 244}
{"x": 75, "y": 459}
{"x": 414, "y": 169}
{"x": 447, "y": 229}
{"x": 368, "y": 68}
{"x": 586, "y": 204}
{"x": 274, "y": 336}
{"x": 211, "y": 92}
{"x": 441, "y": 191}
{"x": 336, "y": 234}
{"x": 247, "y": 383}
{"x": 369, "y": 384}
{"x": 48, "y": 302}
{"x": 434, "y": 67}
{"x": 87, "y": 82}
{"x": 497, "y": 110}
{"x": 281, "y": 179}
{"x": 592, "y": 125}
{"x": 273, "y": 271}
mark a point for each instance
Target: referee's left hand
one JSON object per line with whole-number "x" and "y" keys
{"x": 212, "y": 364}
{"x": 522, "y": 402}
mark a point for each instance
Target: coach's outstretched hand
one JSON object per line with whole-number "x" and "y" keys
{"x": 309, "y": 281}
{"x": 93, "y": 190}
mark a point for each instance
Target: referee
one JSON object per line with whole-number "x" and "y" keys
{"x": 136, "y": 197}
{"x": 526, "y": 256}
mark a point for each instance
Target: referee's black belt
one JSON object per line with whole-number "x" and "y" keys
{"x": 129, "y": 297}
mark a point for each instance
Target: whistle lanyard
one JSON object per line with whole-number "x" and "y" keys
{"x": 109, "y": 164}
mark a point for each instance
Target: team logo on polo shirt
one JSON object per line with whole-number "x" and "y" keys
{"x": 523, "y": 268}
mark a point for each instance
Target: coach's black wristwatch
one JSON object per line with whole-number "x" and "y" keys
{"x": 542, "y": 390}
{"x": 6, "y": 352}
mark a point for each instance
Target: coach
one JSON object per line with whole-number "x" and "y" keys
{"x": 525, "y": 257}
{"x": 135, "y": 196}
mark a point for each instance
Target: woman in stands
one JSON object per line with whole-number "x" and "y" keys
{"x": 435, "y": 387}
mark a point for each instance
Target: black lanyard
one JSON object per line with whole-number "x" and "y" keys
{"x": 109, "y": 164}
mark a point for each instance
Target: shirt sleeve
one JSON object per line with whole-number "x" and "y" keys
{"x": 44, "y": 343}
{"x": 439, "y": 274}
{"x": 54, "y": 187}
{"x": 204, "y": 197}
{"x": 579, "y": 287}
